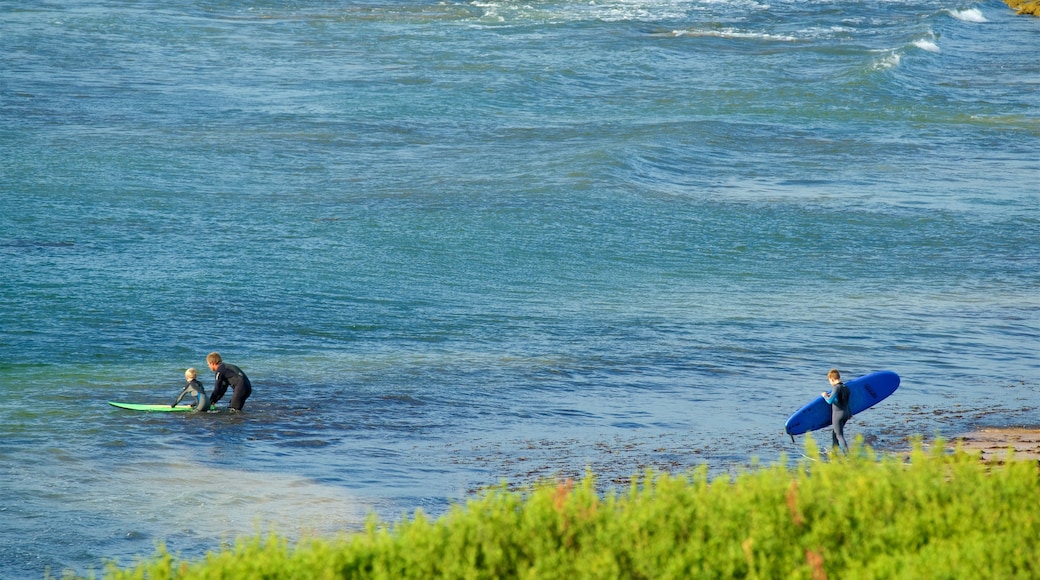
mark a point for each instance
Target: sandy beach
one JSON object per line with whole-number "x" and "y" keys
{"x": 993, "y": 443}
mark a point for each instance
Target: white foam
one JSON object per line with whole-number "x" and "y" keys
{"x": 969, "y": 15}
{"x": 734, "y": 34}
{"x": 927, "y": 45}
{"x": 603, "y": 10}
{"x": 890, "y": 60}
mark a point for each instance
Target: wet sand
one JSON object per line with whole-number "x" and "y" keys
{"x": 993, "y": 443}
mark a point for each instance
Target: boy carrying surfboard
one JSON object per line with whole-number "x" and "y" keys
{"x": 863, "y": 393}
{"x": 838, "y": 399}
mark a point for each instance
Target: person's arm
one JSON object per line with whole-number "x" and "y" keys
{"x": 828, "y": 396}
{"x": 181, "y": 396}
{"x": 219, "y": 387}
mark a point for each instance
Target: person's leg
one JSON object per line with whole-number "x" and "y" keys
{"x": 238, "y": 398}
{"x": 839, "y": 434}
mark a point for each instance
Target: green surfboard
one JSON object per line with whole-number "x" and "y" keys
{"x": 154, "y": 408}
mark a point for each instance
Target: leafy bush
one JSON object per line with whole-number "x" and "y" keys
{"x": 935, "y": 515}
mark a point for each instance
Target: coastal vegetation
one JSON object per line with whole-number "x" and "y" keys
{"x": 1025, "y": 6}
{"x": 928, "y": 513}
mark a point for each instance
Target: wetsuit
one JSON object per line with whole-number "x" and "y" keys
{"x": 194, "y": 388}
{"x": 839, "y": 401}
{"x": 230, "y": 375}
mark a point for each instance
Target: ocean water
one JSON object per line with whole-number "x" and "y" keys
{"x": 458, "y": 243}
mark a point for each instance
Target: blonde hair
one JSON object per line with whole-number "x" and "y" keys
{"x": 190, "y": 374}
{"x": 213, "y": 358}
{"x": 834, "y": 374}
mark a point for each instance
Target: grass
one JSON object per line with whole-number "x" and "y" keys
{"x": 935, "y": 515}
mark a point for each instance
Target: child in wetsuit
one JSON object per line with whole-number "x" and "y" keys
{"x": 838, "y": 398}
{"x": 194, "y": 387}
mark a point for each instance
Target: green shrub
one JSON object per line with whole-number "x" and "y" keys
{"x": 937, "y": 515}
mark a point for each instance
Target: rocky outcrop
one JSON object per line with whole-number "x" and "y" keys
{"x": 1025, "y": 6}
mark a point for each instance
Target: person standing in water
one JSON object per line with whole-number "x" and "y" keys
{"x": 225, "y": 375}
{"x": 838, "y": 398}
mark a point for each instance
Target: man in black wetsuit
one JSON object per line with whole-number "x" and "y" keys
{"x": 838, "y": 397}
{"x": 228, "y": 375}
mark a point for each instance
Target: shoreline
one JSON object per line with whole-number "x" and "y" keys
{"x": 992, "y": 443}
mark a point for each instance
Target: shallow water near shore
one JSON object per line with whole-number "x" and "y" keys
{"x": 459, "y": 243}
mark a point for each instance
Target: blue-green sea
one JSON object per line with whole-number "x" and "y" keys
{"x": 455, "y": 243}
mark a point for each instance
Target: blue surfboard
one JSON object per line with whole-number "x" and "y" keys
{"x": 864, "y": 393}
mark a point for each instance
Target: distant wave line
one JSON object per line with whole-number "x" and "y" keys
{"x": 731, "y": 33}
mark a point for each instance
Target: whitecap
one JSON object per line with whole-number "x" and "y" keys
{"x": 735, "y": 34}
{"x": 890, "y": 60}
{"x": 927, "y": 45}
{"x": 969, "y": 15}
